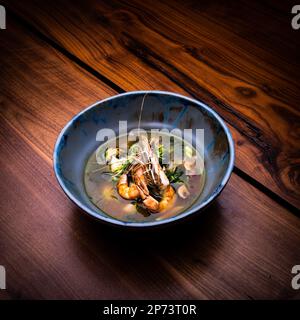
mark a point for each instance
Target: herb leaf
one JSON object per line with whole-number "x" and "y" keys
{"x": 174, "y": 175}
{"x": 160, "y": 154}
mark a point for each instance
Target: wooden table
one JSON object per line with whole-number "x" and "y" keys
{"x": 240, "y": 57}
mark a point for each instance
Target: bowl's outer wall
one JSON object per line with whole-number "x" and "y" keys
{"x": 161, "y": 110}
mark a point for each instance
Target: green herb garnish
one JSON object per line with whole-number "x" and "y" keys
{"x": 174, "y": 175}
{"x": 160, "y": 154}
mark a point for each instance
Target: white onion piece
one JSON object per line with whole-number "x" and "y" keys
{"x": 183, "y": 191}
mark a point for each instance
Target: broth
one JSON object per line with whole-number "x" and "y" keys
{"x": 102, "y": 185}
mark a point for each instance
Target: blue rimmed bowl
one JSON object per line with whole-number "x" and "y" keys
{"x": 168, "y": 110}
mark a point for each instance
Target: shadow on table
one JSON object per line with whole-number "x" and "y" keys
{"x": 143, "y": 256}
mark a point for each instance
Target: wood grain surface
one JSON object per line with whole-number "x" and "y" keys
{"x": 243, "y": 246}
{"x": 241, "y": 57}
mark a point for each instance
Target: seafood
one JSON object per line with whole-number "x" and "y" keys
{"x": 157, "y": 206}
{"x": 139, "y": 178}
{"x": 167, "y": 197}
{"x": 156, "y": 178}
{"x": 149, "y": 156}
{"x": 147, "y": 182}
{"x": 125, "y": 191}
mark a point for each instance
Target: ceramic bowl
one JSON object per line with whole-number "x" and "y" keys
{"x": 168, "y": 110}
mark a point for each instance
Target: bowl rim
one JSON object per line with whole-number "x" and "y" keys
{"x": 188, "y": 212}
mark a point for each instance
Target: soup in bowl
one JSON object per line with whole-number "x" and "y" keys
{"x": 144, "y": 158}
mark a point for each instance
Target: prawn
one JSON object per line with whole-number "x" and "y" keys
{"x": 140, "y": 180}
{"x": 125, "y": 191}
{"x": 153, "y": 205}
{"x": 150, "y": 202}
{"x": 167, "y": 197}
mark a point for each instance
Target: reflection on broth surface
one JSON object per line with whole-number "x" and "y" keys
{"x": 148, "y": 181}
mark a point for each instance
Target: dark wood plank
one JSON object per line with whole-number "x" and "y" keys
{"x": 242, "y": 247}
{"x": 241, "y": 57}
